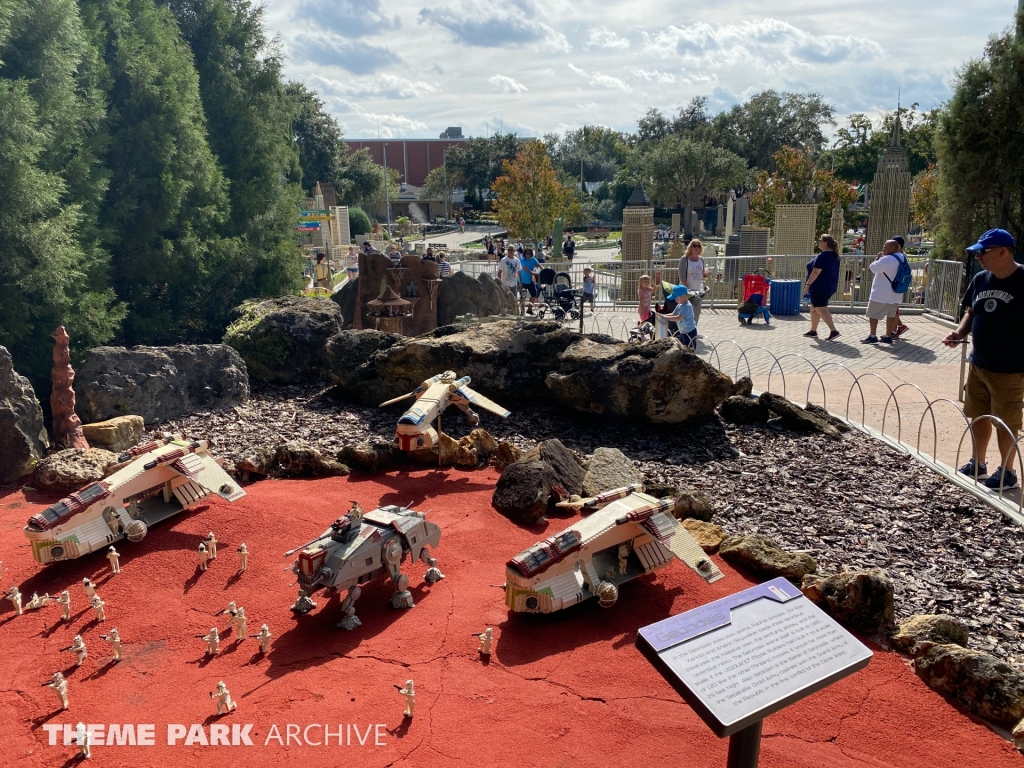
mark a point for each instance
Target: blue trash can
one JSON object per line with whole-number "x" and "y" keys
{"x": 785, "y": 297}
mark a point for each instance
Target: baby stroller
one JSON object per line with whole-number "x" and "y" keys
{"x": 558, "y": 296}
{"x": 755, "y": 297}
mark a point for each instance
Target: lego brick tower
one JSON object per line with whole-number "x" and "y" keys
{"x": 794, "y": 229}
{"x": 637, "y": 239}
{"x": 890, "y": 195}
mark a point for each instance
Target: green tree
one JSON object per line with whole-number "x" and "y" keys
{"x": 364, "y": 180}
{"x": 322, "y": 152}
{"x": 53, "y": 269}
{"x": 682, "y": 172}
{"x": 924, "y": 199}
{"x": 529, "y": 195}
{"x": 439, "y": 186}
{"x": 601, "y": 152}
{"x": 857, "y": 147}
{"x": 479, "y": 161}
{"x": 980, "y": 142}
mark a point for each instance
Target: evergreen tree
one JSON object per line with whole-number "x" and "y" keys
{"x": 318, "y": 138}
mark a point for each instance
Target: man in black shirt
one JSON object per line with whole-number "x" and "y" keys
{"x": 995, "y": 385}
{"x": 569, "y": 248}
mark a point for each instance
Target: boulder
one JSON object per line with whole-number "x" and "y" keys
{"x": 761, "y": 556}
{"x": 795, "y": 417}
{"x": 661, "y": 382}
{"x": 460, "y": 295}
{"x": 1018, "y": 736}
{"x": 744, "y": 387}
{"x": 345, "y": 297}
{"x": 862, "y": 600}
{"x": 981, "y": 683}
{"x": 523, "y": 491}
{"x": 23, "y": 439}
{"x": 446, "y": 444}
{"x": 349, "y": 352}
{"x": 299, "y": 459}
{"x": 566, "y": 467}
{"x": 506, "y": 453}
{"x": 284, "y": 340}
{"x": 821, "y": 413}
{"x": 372, "y": 457}
{"x": 740, "y": 409}
{"x": 257, "y": 460}
{"x": 919, "y": 633}
{"x": 474, "y": 448}
{"x": 689, "y": 504}
{"x": 117, "y": 434}
{"x": 159, "y": 383}
{"x": 609, "y": 468}
{"x": 72, "y": 469}
{"x": 708, "y": 535}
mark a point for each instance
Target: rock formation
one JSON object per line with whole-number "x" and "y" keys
{"x": 763, "y": 557}
{"x": 23, "y": 439}
{"x": 67, "y": 427}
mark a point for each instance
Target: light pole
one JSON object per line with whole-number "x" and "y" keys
{"x": 444, "y": 182}
{"x": 387, "y": 191}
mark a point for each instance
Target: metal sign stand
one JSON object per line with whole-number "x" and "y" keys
{"x": 745, "y": 747}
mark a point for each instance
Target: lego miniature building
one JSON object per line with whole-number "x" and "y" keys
{"x": 637, "y": 239}
{"x": 389, "y": 311}
{"x": 890, "y": 195}
{"x": 794, "y": 229}
{"x": 837, "y": 227}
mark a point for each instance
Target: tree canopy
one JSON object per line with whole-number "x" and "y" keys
{"x": 529, "y": 195}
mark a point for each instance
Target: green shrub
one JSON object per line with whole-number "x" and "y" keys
{"x": 358, "y": 221}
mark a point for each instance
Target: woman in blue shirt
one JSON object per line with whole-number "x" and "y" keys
{"x": 822, "y": 281}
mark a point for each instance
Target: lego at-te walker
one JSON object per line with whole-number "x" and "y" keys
{"x": 361, "y": 547}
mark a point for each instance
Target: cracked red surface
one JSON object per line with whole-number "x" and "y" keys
{"x": 561, "y": 690}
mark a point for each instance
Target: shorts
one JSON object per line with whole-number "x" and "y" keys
{"x": 995, "y": 394}
{"x": 818, "y": 300}
{"x": 530, "y": 288}
{"x": 879, "y": 311}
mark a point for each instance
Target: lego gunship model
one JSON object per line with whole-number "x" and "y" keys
{"x": 433, "y": 396}
{"x": 629, "y": 535}
{"x": 360, "y": 547}
{"x": 152, "y": 482}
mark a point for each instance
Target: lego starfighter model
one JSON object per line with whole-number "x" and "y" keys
{"x": 151, "y": 482}
{"x": 631, "y": 535}
{"x": 360, "y": 547}
{"x": 433, "y": 396}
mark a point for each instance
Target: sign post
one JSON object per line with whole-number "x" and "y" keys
{"x": 739, "y": 659}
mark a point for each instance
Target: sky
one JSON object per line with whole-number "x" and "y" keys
{"x": 410, "y": 69}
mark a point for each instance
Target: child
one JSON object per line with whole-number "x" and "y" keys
{"x": 588, "y": 288}
{"x": 353, "y": 263}
{"x": 682, "y": 316}
{"x": 644, "y": 293}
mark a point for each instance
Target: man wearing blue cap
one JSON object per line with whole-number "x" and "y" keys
{"x": 682, "y": 315}
{"x": 995, "y": 385}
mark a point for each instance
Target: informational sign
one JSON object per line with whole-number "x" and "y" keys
{"x": 315, "y": 214}
{"x": 739, "y": 659}
{"x": 309, "y": 226}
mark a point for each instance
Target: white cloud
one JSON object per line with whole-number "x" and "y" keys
{"x": 484, "y": 24}
{"x": 596, "y": 78}
{"x": 391, "y": 125}
{"x": 507, "y": 84}
{"x": 654, "y": 75}
{"x": 381, "y": 85}
{"x": 602, "y": 37}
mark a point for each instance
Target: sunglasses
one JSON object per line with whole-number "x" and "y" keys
{"x": 983, "y": 251}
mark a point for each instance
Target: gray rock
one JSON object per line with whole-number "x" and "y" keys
{"x": 795, "y": 417}
{"x": 284, "y": 340}
{"x": 565, "y": 467}
{"x": 523, "y": 491}
{"x": 979, "y": 682}
{"x": 763, "y": 557}
{"x": 821, "y": 413}
{"x": 349, "y": 351}
{"x": 257, "y": 460}
{"x": 23, "y": 439}
{"x": 862, "y": 600}
{"x": 372, "y": 457}
{"x": 460, "y": 295}
{"x": 740, "y": 409}
{"x": 117, "y": 434}
{"x": 72, "y": 469}
{"x": 299, "y": 459}
{"x": 919, "y": 633}
{"x": 345, "y": 297}
{"x": 609, "y": 468}
{"x": 690, "y": 505}
{"x": 159, "y": 383}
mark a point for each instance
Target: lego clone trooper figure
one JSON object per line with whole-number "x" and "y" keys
{"x": 243, "y": 557}
{"x": 264, "y": 638}
{"x": 223, "y": 697}
{"x": 410, "y": 697}
{"x": 14, "y": 595}
{"x": 60, "y": 686}
{"x": 203, "y": 556}
{"x": 211, "y": 545}
{"x": 78, "y": 648}
{"x": 89, "y": 587}
{"x": 115, "y": 643}
{"x": 240, "y": 625}
{"x": 99, "y": 606}
{"x": 115, "y": 560}
{"x": 486, "y": 638}
{"x": 83, "y": 739}
{"x": 64, "y": 601}
{"x": 212, "y": 640}
{"x": 38, "y": 602}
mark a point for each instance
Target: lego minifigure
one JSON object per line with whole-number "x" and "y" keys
{"x": 64, "y": 601}
{"x": 115, "y": 560}
{"x": 115, "y": 643}
{"x": 264, "y": 638}
{"x": 486, "y": 638}
{"x": 14, "y": 595}
{"x": 356, "y": 512}
{"x": 38, "y": 602}
{"x": 410, "y": 697}
{"x": 89, "y": 587}
{"x": 231, "y": 610}
{"x": 348, "y": 608}
{"x": 78, "y": 648}
{"x": 203, "y": 556}
{"x": 212, "y": 641}
{"x": 223, "y": 697}
{"x": 623, "y": 558}
{"x": 83, "y": 739}
{"x": 99, "y": 606}
{"x": 211, "y": 545}
{"x": 243, "y": 557}
{"x": 240, "y": 625}
{"x": 60, "y": 685}
{"x": 433, "y": 574}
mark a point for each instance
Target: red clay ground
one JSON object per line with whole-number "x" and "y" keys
{"x": 562, "y": 690}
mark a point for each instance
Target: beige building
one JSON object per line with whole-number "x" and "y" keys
{"x": 890, "y": 195}
{"x": 637, "y": 240}
{"x": 794, "y": 229}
